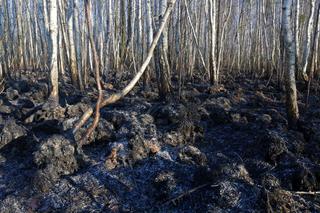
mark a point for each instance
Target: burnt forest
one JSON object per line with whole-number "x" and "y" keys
{"x": 159, "y": 106}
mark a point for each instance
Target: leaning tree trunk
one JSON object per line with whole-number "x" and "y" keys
{"x": 292, "y": 106}
{"x": 117, "y": 96}
{"x": 53, "y": 28}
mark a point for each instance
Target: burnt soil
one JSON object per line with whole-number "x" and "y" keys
{"x": 225, "y": 149}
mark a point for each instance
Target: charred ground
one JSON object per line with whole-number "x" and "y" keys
{"x": 215, "y": 149}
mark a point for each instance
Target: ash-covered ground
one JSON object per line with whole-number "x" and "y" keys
{"x": 225, "y": 149}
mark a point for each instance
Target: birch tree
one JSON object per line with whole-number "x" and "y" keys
{"x": 139, "y": 34}
{"x": 311, "y": 28}
{"x": 53, "y": 27}
{"x": 245, "y": 39}
{"x": 72, "y": 47}
{"x": 290, "y": 57}
{"x": 123, "y": 38}
{"x": 298, "y": 16}
{"x": 149, "y": 27}
{"x": 214, "y": 25}
{"x": 161, "y": 57}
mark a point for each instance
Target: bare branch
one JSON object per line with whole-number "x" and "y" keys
{"x": 117, "y": 96}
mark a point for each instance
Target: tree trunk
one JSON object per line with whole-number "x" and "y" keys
{"x": 214, "y": 25}
{"x": 139, "y": 35}
{"x": 53, "y": 24}
{"x": 130, "y": 25}
{"x": 72, "y": 48}
{"x": 161, "y": 58}
{"x": 46, "y": 33}
{"x": 298, "y": 30}
{"x": 313, "y": 45}
{"x": 123, "y": 30}
{"x": 310, "y": 41}
{"x": 146, "y": 75}
{"x": 292, "y": 106}
{"x": 97, "y": 71}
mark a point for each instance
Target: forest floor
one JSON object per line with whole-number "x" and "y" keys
{"x": 215, "y": 150}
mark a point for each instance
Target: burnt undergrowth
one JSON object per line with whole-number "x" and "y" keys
{"x": 211, "y": 150}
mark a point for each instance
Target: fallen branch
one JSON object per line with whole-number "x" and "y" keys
{"x": 308, "y": 193}
{"x": 117, "y": 96}
{"x": 173, "y": 200}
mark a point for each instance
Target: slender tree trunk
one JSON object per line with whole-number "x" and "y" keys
{"x": 298, "y": 16}
{"x": 317, "y": 46}
{"x": 53, "y": 24}
{"x": 214, "y": 25}
{"x": 310, "y": 41}
{"x": 292, "y": 105}
{"x": 221, "y": 49}
{"x": 109, "y": 39}
{"x": 163, "y": 67}
{"x": 21, "y": 56}
{"x": 77, "y": 44}
{"x": 72, "y": 47}
{"x": 313, "y": 46}
{"x": 130, "y": 24}
{"x": 6, "y": 38}
{"x": 46, "y": 33}
{"x": 123, "y": 30}
{"x": 149, "y": 26}
{"x": 140, "y": 32}
{"x": 96, "y": 68}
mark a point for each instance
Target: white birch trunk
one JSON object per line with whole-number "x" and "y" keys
{"x": 72, "y": 48}
{"x": 53, "y": 24}
{"x": 214, "y": 41}
{"x": 298, "y": 30}
{"x": 309, "y": 43}
{"x": 292, "y": 106}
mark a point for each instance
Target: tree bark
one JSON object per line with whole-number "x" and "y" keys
{"x": 53, "y": 24}
{"x": 123, "y": 30}
{"x": 146, "y": 75}
{"x": 292, "y": 105}
{"x": 214, "y": 25}
{"x": 298, "y": 30}
{"x": 72, "y": 47}
{"x": 161, "y": 59}
{"x": 310, "y": 41}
